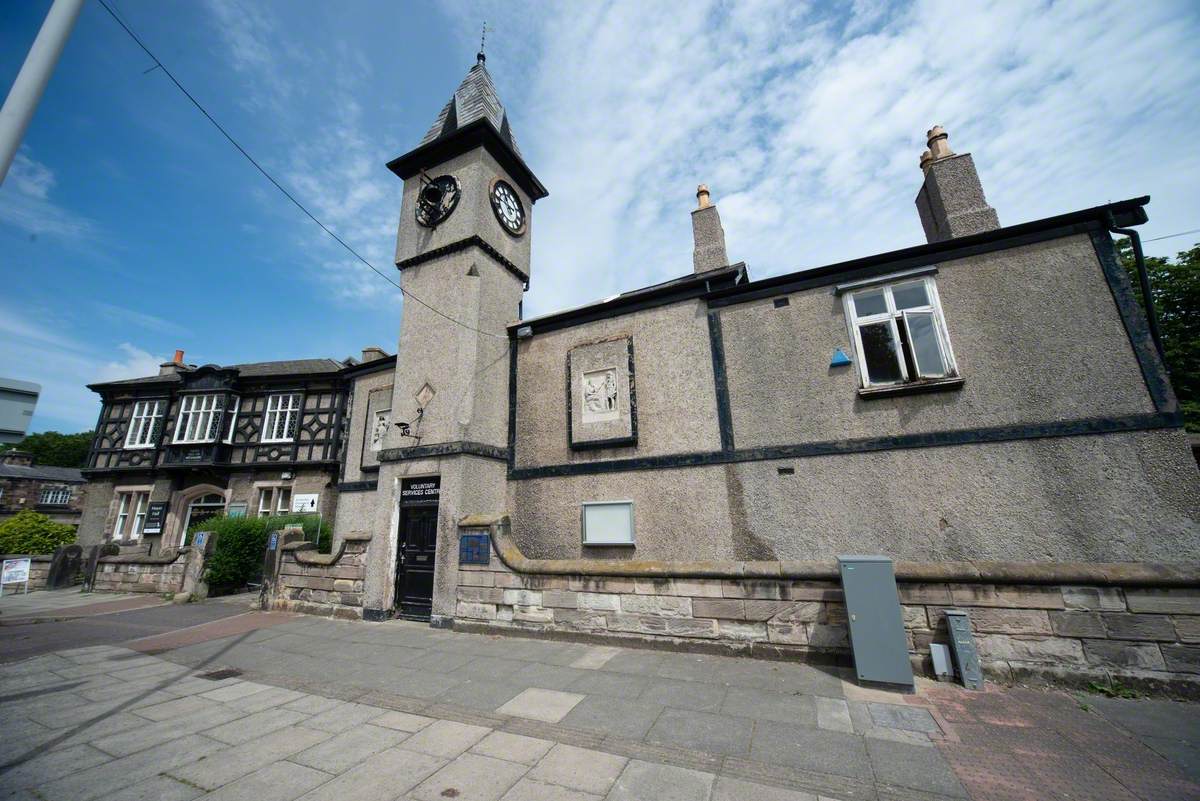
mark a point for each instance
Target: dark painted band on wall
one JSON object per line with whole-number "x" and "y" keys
{"x": 716, "y": 342}
{"x": 1136, "y": 327}
{"x": 511, "y": 456}
{"x": 461, "y": 447}
{"x": 932, "y": 439}
{"x": 358, "y": 486}
{"x": 463, "y": 244}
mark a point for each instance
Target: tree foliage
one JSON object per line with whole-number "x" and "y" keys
{"x": 58, "y": 450}
{"x": 1175, "y": 289}
{"x": 30, "y": 532}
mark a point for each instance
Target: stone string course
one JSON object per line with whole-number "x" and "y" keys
{"x": 157, "y": 574}
{"x": 1071, "y": 634}
{"x": 39, "y": 571}
{"x": 322, "y": 584}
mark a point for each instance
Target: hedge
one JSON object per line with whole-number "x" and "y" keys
{"x": 242, "y": 541}
{"x": 30, "y": 532}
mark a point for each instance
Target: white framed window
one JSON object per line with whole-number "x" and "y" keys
{"x": 274, "y": 501}
{"x": 55, "y": 496}
{"x": 607, "y": 523}
{"x": 199, "y": 418}
{"x": 899, "y": 333}
{"x": 145, "y": 424}
{"x": 233, "y": 417}
{"x": 131, "y": 515}
{"x": 283, "y": 413}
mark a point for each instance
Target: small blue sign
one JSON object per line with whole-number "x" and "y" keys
{"x": 273, "y": 541}
{"x": 840, "y": 359}
{"x": 474, "y": 548}
{"x": 200, "y": 538}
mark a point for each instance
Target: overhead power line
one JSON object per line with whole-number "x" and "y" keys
{"x": 159, "y": 65}
{"x": 1172, "y": 236}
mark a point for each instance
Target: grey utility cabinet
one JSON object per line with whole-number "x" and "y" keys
{"x": 876, "y": 623}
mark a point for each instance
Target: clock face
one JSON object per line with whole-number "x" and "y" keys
{"x": 508, "y": 208}
{"x": 436, "y": 200}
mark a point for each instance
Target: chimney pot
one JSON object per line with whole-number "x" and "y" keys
{"x": 939, "y": 142}
{"x": 703, "y": 196}
{"x": 178, "y": 357}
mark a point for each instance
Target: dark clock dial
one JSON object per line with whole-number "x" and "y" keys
{"x": 508, "y": 208}
{"x": 437, "y": 199}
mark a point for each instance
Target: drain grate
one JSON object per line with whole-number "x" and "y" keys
{"x": 217, "y": 675}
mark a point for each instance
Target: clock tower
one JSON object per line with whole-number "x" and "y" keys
{"x": 463, "y": 252}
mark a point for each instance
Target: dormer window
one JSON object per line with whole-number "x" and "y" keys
{"x": 199, "y": 418}
{"x": 899, "y": 334}
{"x": 283, "y": 414}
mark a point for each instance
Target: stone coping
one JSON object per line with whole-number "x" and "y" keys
{"x": 1139, "y": 574}
{"x": 170, "y": 557}
{"x": 34, "y": 557}
{"x": 300, "y": 551}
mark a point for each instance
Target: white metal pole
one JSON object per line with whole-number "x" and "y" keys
{"x": 32, "y": 79}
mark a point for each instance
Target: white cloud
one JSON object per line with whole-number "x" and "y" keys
{"x": 808, "y": 125}
{"x": 34, "y": 351}
{"x": 25, "y": 203}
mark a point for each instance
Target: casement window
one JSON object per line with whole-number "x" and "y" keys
{"x": 145, "y": 424}
{"x": 899, "y": 333}
{"x": 131, "y": 515}
{"x": 55, "y": 496}
{"x": 283, "y": 413}
{"x": 199, "y": 418}
{"x": 274, "y": 501}
{"x": 233, "y": 418}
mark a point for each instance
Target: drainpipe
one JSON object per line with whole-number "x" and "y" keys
{"x": 1144, "y": 280}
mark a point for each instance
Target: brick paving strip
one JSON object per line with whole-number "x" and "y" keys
{"x": 206, "y": 632}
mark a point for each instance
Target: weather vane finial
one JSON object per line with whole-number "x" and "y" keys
{"x": 480, "y": 57}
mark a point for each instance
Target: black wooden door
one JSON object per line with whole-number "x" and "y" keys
{"x": 415, "y": 561}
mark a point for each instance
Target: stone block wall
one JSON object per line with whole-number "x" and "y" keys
{"x": 322, "y": 584}
{"x": 1120, "y": 628}
{"x": 162, "y": 574}
{"x": 39, "y": 571}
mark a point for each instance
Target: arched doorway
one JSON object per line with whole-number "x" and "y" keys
{"x": 199, "y": 510}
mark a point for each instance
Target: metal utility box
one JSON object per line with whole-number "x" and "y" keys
{"x": 962, "y": 644}
{"x": 876, "y": 623}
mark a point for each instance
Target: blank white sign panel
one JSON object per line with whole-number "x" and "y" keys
{"x": 608, "y": 523}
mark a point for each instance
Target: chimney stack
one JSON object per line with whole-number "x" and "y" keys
{"x": 17, "y": 458}
{"x": 173, "y": 366}
{"x": 709, "y": 235}
{"x": 371, "y": 353}
{"x": 951, "y": 202}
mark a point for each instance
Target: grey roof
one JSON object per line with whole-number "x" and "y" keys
{"x": 474, "y": 99}
{"x": 247, "y": 370}
{"x": 44, "y": 472}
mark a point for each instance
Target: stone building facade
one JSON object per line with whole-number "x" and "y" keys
{"x": 57, "y": 492}
{"x": 993, "y": 396}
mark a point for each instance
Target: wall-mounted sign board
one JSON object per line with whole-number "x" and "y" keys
{"x": 305, "y": 502}
{"x": 156, "y": 517}
{"x": 474, "y": 548}
{"x": 420, "y": 490}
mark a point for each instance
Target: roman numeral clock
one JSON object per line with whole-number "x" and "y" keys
{"x": 507, "y": 207}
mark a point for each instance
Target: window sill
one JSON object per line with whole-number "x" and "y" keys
{"x": 608, "y": 544}
{"x": 194, "y": 442}
{"x": 138, "y": 447}
{"x": 276, "y": 441}
{"x": 913, "y": 388}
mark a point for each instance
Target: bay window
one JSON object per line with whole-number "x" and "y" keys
{"x": 145, "y": 424}
{"x": 283, "y": 414}
{"x": 199, "y": 418}
{"x": 899, "y": 333}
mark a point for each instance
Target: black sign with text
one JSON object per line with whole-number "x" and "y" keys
{"x": 420, "y": 490}
{"x": 156, "y": 516}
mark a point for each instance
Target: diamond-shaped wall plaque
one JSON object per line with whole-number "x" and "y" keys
{"x": 424, "y": 395}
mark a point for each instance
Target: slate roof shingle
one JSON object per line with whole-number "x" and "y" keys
{"x": 475, "y": 99}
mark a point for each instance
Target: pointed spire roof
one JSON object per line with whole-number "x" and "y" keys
{"x": 475, "y": 99}
{"x": 473, "y": 118}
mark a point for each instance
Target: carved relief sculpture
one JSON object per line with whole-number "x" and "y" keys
{"x": 380, "y": 430}
{"x": 600, "y": 395}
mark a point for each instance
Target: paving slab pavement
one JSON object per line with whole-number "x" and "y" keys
{"x": 312, "y": 708}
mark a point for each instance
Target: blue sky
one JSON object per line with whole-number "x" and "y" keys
{"x": 129, "y": 227}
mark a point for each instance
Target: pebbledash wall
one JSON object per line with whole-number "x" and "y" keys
{"x": 1069, "y": 623}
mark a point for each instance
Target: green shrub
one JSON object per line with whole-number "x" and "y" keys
{"x": 33, "y": 533}
{"x": 242, "y": 543}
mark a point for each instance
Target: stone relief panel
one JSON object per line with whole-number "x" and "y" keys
{"x": 375, "y": 427}
{"x": 601, "y": 395}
